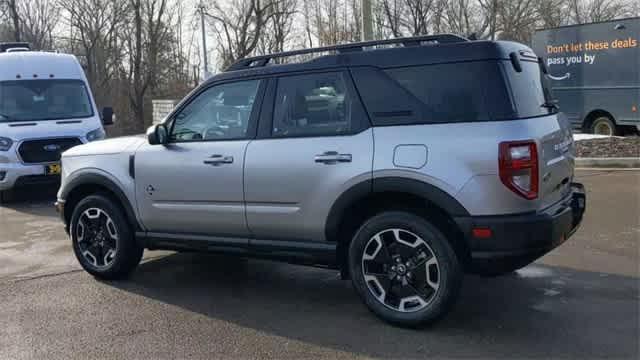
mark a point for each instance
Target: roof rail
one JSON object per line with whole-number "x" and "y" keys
{"x": 262, "y": 60}
{"x": 14, "y": 46}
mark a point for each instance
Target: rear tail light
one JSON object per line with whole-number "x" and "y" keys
{"x": 519, "y": 168}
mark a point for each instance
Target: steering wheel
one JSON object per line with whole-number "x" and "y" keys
{"x": 183, "y": 133}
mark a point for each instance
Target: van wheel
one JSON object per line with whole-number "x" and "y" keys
{"x": 404, "y": 269}
{"x": 604, "y": 125}
{"x": 6, "y": 196}
{"x": 102, "y": 239}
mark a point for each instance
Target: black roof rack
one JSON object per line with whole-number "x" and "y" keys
{"x": 262, "y": 60}
{"x": 4, "y": 46}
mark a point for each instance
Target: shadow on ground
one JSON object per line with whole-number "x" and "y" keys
{"x": 32, "y": 199}
{"x": 538, "y": 312}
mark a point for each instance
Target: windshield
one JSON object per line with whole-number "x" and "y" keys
{"x": 32, "y": 100}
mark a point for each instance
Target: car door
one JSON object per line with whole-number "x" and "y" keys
{"x": 316, "y": 144}
{"x": 193, "y": 185}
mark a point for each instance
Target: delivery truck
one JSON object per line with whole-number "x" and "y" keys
{"x": 594, "y": 73}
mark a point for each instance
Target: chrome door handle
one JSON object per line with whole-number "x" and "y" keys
{"x": 332, "y": 157}
{"x": 217, "y": 160}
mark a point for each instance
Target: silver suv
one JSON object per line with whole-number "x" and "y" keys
{"x": 402, "y": 163}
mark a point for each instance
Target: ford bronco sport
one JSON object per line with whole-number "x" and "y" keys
{"x": 403, "y": 163}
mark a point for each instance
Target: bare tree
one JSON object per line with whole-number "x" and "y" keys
{"x": 552, "y": 13}
{"x": 517, "y": 19}
{"x": 393, "y": 11}
{"x": 465, "y": 17}
{"x": 279, "y": 27}
{"x": 15, "y": 18}
{"x": 239, "y": 26}
{"x": 93, "y": 34}
{"x": 148, "y": 32}
{"x": 490, "y": 10}
{"x": 583, "y": 11}
{"x": 38, "y": 19}
{"x": 418, "y": 15}
{"x": 307, "y": 22}
{"x": 334, "y": 21}
{"x": 5, "y": 29}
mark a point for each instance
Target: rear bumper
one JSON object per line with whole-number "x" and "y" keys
{"x": 517, "y": 240}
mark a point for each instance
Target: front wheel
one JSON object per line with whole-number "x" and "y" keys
{"x": 5, "y": 196}
{"x": 102, "y": 238}
{"x": 404, "y": 269}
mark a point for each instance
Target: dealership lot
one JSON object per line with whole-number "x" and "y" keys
{"x": 581, "y": 300}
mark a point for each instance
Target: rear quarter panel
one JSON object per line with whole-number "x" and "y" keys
{"x": 462, "y": 160}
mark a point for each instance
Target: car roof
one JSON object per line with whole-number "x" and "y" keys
{"x": 428, "y": 54}
{"x": 24, "y": 65}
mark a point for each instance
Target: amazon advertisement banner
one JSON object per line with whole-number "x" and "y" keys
{"x": 601, "y": 54}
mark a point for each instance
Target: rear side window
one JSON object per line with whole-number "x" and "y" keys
{"x": 318, "y": 104}
{"x": 432, "y": 94}
{"x": 461, "y": 92}
{"x": 474, "y": 91}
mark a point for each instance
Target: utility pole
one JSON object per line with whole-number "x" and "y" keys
{"x": 367, "y": 21}
{"x": 204, "y": 42}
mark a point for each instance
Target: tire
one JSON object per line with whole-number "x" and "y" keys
{"x": 102, "y": 239}
{"x": 604, "y": 125}
{"x": 375, "y": 250}
{"x": 6, "y": 196}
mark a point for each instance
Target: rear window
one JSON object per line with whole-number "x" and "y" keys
{"x": 530, "y": 93}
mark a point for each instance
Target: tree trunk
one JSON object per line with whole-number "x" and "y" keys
{"x": 13, "y": 10}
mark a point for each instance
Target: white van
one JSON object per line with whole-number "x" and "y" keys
{"x": 46, "y": 107}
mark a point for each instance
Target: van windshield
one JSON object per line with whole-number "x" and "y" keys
{"x": 52, "y": 99}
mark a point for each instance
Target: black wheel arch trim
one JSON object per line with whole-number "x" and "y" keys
{"x": 390, "y": 184}
{"x": 103, "y": 181}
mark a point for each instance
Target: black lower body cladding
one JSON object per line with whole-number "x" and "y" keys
{"x": 514, "y": 241}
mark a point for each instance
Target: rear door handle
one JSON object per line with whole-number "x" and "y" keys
{"x": 332, "y": 157}
{"x": 217, "y": 160}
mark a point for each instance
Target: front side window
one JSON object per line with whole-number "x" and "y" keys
{"x": 221, "y": 112}
{"x": 313, "y": 105}
{"x": 51, "y": 99}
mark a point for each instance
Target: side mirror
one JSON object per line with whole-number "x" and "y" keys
{"x": 107, "y": 116}
{"x": 158, "y": 135}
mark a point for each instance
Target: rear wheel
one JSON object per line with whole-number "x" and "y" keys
{"x": 604, "y": 125}
{"x": 102, "y": 238}
{"x": 404, "y": 269}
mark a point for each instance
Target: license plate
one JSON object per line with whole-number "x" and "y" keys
{"x": 53, "y": 169}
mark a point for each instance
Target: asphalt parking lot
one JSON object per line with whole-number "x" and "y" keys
{"x": 580, "y": 301}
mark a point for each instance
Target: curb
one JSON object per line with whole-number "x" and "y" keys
{"x": 618, "y": 163}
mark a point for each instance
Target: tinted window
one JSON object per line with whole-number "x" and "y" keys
{"x": 457, "y": 92}
{"x": 313, "y": 105}
{"x": 44, "y": 100}
{"x": 527, "y": 90}
{"x": 221, "y": 112}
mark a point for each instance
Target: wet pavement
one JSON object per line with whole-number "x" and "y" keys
{"x": 580, "y": 301}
